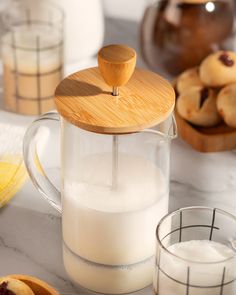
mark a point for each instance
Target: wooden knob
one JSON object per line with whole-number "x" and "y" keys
{"x": 116, "y": 64}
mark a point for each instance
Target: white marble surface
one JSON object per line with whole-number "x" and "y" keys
{"x": 30, "y": 231}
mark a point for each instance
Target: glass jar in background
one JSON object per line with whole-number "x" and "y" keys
{"x": 3, "y": 5}
{"x": 32, "y": 56}
{"x": 176, "y": 35}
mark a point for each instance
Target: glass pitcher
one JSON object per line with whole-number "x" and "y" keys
{"x": 114, "y": 185}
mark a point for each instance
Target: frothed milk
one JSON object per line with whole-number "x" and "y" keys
{"x": 202, "y": 251}
{"x": 109, "y": 234}
{"x": 32, "y": 64}
{"x": 206, "y": 266}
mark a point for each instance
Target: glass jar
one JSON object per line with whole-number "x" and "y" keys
{"x": 196, "y": 253}
{"x": 110, "y": 205}
{"x": 32, "y": 56}
{"x": 177, "y": 35}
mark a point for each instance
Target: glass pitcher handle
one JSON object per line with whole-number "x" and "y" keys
{"x": 32, "y": 163}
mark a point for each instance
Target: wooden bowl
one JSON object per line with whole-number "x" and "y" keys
{"x": 207, "y": 139}
{"x": 38, "y": 287}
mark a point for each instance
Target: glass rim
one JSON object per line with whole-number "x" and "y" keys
{"x": 27, "y": 6}
{"x": 223, "y": 212}
{"x": 171, "y": 133}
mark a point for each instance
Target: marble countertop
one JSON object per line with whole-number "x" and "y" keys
{"x": 30, "y": 230}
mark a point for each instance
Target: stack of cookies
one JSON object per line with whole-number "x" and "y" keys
{"x": 207, "y": 94}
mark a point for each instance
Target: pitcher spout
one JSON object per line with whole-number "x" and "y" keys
{"x": 172, "y": 131}
{"x": 167, "y": 129}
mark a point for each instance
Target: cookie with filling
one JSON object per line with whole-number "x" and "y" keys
{"x": 226, "y": 104}
{"x": 198, "y": 106}
{"x": 218, "y": 69}
{"x": 187, "y": 79}
{"x": 9, "y": 286}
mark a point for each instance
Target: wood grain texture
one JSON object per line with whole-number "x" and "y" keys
{"x": 207, "y": 139}
{"x": 38, "y": 287}
{"x": 116, "y": 64}
{"x": 85, "y": 100}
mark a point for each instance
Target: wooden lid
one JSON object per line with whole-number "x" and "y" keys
{"x": 85, "y": 99}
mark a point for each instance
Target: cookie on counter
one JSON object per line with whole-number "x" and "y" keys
{"x": 226, "y": 104}
{"x": 218, "y": 69}
{"x": 188, "y": 79}
{"x": 198, "y": 106}
{"x": 14, "y": 287}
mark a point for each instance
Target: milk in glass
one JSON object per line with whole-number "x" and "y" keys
{"x": 32, "y": 64}
{"x": 109, "y": 234}
{"x": 206, "y": 269}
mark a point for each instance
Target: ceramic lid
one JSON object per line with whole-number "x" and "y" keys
{"x": 115, "y": 98}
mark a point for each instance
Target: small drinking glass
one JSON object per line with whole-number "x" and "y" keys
{"x": 193, "y": 270}
{"x": 32, "y": 54}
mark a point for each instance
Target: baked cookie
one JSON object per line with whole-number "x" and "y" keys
{"x": 198, "y": 106}
{"x": 9, "y": 286}
{"x": 226, "y": 104}
{"x": 218, "y": 69}
{"x": 188, "y": 79}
